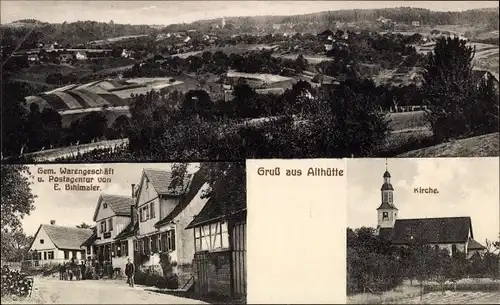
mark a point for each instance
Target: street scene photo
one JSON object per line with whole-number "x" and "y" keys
{"x": 423, "y": 231}
{"x": 169, "y": 233}
{"x": 88, "y": 81}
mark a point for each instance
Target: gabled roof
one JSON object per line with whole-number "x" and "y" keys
{"x": 215, "y": 210}
{"x": 91, "y": 239}
{"x": 432, "y": 230}
{"x": 194, "y": 187}
{"x": 162, "y": 179}
{"x": 66, "y": 237}
{"x": 129, "y": 230}
{"x": 474, "y": 245}
{"x": 118, "y": 203}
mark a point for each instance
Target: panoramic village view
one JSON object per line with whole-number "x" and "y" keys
{"x": 414, "y": 239}
{"x": 385, "y": 81}
{"x": 156, "y": 233}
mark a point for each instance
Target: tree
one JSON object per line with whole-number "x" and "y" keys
{"x": 198, "y": 102}
{"x": 227, "y": 184}
{"x": 14, "y": 116}
{"x": 83, "y": 225}
{"x": 15, "y": 245}
{"x": 448, "y": 88}
{"x": 17, "y": 197}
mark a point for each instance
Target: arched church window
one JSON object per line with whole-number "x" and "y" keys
{"x": 385, "y": 215}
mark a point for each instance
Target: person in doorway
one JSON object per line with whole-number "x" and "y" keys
{"x": 129, "y": 272}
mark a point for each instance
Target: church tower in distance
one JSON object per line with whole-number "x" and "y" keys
{"x": 387, "y": 211}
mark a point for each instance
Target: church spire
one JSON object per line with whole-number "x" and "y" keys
{"x": 387, "y": 211}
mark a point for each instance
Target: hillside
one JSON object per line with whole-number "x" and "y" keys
{"x": 330, "y": 19}
{"x": 480, "y": 146}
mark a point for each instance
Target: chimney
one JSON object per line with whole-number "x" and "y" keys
{"x": 133, "y": 190}
{"x": 53, "y": 222}
{"x": 133, "y": 214}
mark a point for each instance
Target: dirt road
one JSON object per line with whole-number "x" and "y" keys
{"x": 54, "y": 291}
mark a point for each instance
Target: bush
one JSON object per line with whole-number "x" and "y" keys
{"x": 15, "y": 283}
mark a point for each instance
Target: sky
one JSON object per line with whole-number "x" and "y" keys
{"x": 71, "y": 208}
{"x": 467, "y": 187}
{"x": 169, "y": 12}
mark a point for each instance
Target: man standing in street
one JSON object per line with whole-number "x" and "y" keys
{"x": 129, "y": 272}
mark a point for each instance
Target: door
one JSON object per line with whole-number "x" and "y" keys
{"x": 201, "y": 261}
{"x": 238, "y": 257}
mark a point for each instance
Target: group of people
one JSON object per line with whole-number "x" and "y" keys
{"x": 70, "y": 270}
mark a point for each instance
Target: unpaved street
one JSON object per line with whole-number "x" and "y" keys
{"x": 51, "y": 290}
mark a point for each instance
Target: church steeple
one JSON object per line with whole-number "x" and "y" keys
{"x": 387, "y": 211}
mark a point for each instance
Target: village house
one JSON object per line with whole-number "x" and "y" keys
{"x": 163, "y": 214}
{"x": 220, "y": 248}
{"x": 450, "y": 233}
{"x": 81, "y": 55}
{"x": 57, "y": 244}
{"x": 112, "y": 215}
{"x": 480, "y": 75}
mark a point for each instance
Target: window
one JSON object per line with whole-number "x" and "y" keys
{"x": 44, "y": 255}
{"x": 167, "y": 241}
{"x": 453, "y": 249}
{"x": 103, "y": 226}
{"x": 152, "y": 208}
{"x": 118, "y": 250}
{"x": 144, "y": 213}
{"x": 135, "y": 245}
{"x": 211, "y": 237}
{"x": 51, "y": 255}
{"x": 436, "y": 248}
{"x": 74, "y": 254}
{"x": 125, "y": 248}
{"x": 146, "y": 243}
{"x": 42, "y": 241}
{"x": 390, "y": 197}
{"x": 66, "y": 254}
{"x": 385, "y": 215}
{"x": 104, "y": 205}
{"x": 154, "y": 244}
{"x": 110, "y": 224}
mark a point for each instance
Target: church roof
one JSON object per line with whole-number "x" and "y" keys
{"x": 431, "y": 230}
{"x": 387, "y": 174}
{"x": 387, "y": 187}
{"x": 386, "y": 205}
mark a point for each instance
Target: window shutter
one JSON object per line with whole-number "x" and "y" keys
{"x": 173, "y": 240}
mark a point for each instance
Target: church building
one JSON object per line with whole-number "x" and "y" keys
{"x": 451, "y": 233}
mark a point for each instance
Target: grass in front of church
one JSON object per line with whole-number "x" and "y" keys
{"x": 465, "y": 291}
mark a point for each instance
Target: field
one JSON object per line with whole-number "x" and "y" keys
{"x": 268, "y": 78}
{"x": 469, "y": 291}
{"x": 405, "y": 121}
